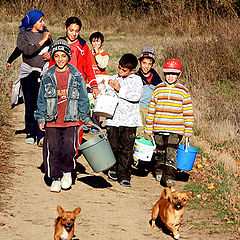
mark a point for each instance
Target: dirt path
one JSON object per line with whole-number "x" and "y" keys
{"x": 109, "y": 211}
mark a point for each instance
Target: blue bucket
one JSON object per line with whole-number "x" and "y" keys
{"x": 185, "y": 157}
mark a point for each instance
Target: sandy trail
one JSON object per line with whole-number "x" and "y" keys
{"x": 109, "y": 211}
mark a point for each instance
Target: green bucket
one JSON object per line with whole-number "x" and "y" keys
{"x": 98, "y": 152}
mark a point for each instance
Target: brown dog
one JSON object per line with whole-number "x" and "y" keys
{"x": 170, "y": 208}
{"x": 64, "y": 224}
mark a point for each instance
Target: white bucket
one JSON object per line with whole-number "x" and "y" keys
{"x": 105, "y": 105}
{"x": 144, "y": 151}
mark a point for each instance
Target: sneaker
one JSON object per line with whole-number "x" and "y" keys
{"x": 158, "y": 177}
{"x": 170, "y": 182}
{"x": 66, "y": 181}
{"x": 93, "y": 131}
{"x": 112, "y": 175}
{"x": 30, "y": 140}
{"x": 56, "y": 186}
{"x": 40, "y": 142}
{"x": 125, "y": 183}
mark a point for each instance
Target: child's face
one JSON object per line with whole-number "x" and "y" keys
{"x": 146, "y": 65}
{"x": 38, "y": 26}
{"x": 72, "y": 32}
{"x": 61, "y": 59}
{"x": 96, "y": 43}
{"x": 124, "y": 72}
{"x": 171, "y": 77}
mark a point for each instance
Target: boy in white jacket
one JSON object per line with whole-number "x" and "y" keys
{"x": 121, "y": 128}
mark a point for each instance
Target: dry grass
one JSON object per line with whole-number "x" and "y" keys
{"x": 222, "y": 131}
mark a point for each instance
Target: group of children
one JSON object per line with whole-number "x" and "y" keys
{"x": 163, "y": 108}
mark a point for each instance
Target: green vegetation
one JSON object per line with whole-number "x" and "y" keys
{"x": 218, "y": 191}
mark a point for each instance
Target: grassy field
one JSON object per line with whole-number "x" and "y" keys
{"x": 205, "y": 41}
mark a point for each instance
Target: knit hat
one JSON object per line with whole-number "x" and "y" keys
{"x": 148, "y": 52}
{"x": 61, "y": 45}
{"x": 30, "y": 19}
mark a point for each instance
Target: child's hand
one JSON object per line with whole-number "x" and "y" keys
{"x": 46, "y": 56}
{"x": 114, "y": 84}
{"x": 41, "y": 126}
{"x": 95, "y": 92}
{"x": 90, "y": 124}
{"x": 147, "y": 137}
{"x": 46, "y": 36}
{"x": 144, "y": 135}
{"x": 96, "y": 49}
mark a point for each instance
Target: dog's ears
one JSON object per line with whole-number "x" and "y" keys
{"x": 77, "y": 211}
{"x": 60, "y": 210}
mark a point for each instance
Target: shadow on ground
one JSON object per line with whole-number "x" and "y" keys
{"x": 161, "y": 226}
{"x": 95, "y": 181}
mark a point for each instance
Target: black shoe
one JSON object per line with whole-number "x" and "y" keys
{"x": 112, "y": 175}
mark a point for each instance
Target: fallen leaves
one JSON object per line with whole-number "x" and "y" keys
{"x": 216, "y": 189}
{"x": 211, "y": 186}
{"x": 199, "y": 166}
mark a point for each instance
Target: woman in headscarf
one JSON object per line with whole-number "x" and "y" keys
{"x": 33, "y": 41}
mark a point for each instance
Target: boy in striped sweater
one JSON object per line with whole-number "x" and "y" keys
{"x": 169, "y": 118}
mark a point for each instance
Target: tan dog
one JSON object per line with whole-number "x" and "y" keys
{"x": 170, "y": 208}
{"x": 64, "y": 224}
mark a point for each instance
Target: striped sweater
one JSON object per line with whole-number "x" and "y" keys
{"x": 170, "y": 110}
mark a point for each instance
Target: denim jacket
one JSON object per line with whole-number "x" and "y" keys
{"x": 77, "y": 98}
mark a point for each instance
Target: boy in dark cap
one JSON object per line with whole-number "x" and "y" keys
{"x": 62, "y": 101}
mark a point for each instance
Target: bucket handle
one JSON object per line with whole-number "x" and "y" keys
{"x": 154, "y": 144}
{"x": 96, "y": 126}
{"x": 187, "y": 145}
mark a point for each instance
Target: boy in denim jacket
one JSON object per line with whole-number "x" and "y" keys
{"x": 62, "y": 101}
